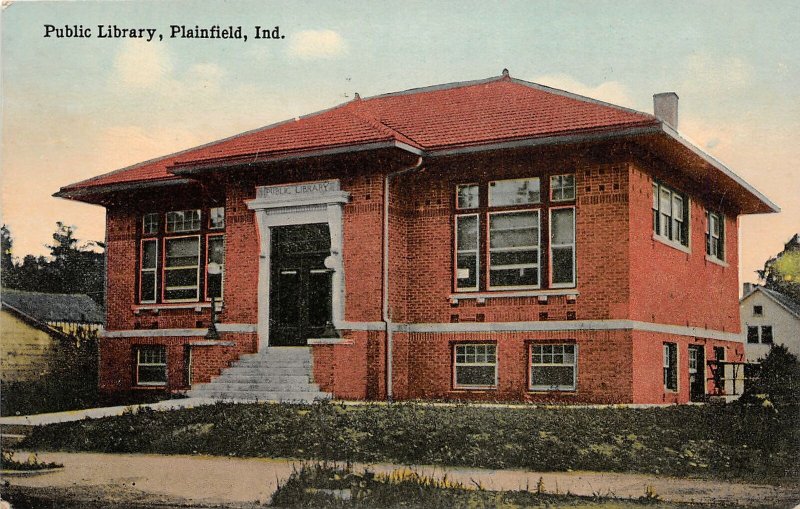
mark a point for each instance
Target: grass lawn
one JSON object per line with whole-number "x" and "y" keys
{"x": 325, "y": 486}
{"x": 716, "y": 441}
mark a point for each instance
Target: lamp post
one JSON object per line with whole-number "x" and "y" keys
{"x": 214, "y": 269}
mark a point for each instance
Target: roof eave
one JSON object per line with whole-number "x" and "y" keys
{"x": 192, "y": 167}
{"x": 560, "y": 139}
{"x": 85, "y": 194}
{"x": 769, "y": 206}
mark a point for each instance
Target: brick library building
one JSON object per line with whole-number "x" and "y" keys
{"x": 492, "y": 240}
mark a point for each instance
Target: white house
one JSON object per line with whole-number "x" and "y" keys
{"x": 768, "y": 317}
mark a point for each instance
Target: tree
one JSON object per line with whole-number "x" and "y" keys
{"x": 73, "y": 268}
{"x": 778, "y": 378}
{"x": 782, "y": 272}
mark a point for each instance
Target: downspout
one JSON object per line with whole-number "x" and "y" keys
{"x": 387, "y": 319}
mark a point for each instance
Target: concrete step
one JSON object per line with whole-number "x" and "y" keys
{"x": 257, "y": 387}
{"x": 262, "y": 396}
{"x": 286, "y": 378}
{"x": 269, "y": 363}
{"x": 268, "y": 370}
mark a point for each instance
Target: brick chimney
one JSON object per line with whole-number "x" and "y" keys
{"x": 665, "y": 108}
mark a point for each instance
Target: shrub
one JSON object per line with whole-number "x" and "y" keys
{"x": 777, "y": 381}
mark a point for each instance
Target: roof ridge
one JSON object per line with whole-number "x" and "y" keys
{"x": 578, "y": 97}
{"x": 363, "y": 112}
{"x": 436, "y": 88}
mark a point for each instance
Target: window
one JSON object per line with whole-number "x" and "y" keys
{"x": 671, "y": 366}
{"x": 670, "y": 213}
{"x": 715, "y": 235}
{"x": 499, "y": 244}
{"x": 150, "y": 224}
{"x": 758, "y": 311}
{"x": 216, "y": 218}
{"x": 766, "y": 334}
{"x": 506, "y": 193}
{"x": 148, "y": 275}
{"x": 693, "y": 358}
{"x": 514, "y": 249}
{"x": 151, "y": 365}
{"x": 173, "y": 266}
{"x": 216, "y": 254}
{"x": 475, "y": 366}
{"x": 181, "y": 268}
{"x": 562, "y": 247}
{"x": 467, "y": 196}
{"x": 553, "y": 367}
{"x": 467, "y": 246}
{"x": 562, "y": 187}
{"x": 179, "y": 221}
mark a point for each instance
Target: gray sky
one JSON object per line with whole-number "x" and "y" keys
{"x": 77, "y": 107}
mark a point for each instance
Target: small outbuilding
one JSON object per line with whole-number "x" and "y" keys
{"x": 768, "y": 318}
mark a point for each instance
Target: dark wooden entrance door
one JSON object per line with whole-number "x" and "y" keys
{"x": 697, "y": 373}
{"x": 300, "y": 288}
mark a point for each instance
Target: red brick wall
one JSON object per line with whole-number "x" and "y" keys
{"x": 425, "y": 360}
{"x": 353, "y": 369}
{"x": 673, "y": 287}
{"x": 117, "y": 359}
{"x": 648, "y": 365}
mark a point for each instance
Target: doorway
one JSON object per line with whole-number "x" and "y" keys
{"x": 300, "y": 284}
{"x": 697, "y": 373}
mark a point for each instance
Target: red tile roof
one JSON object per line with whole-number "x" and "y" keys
{"x": 433, "y": 118}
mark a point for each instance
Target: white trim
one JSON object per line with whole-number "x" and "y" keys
{"x": 329, "y": 341}
{"x": 477, "y": 251}
{"x": 499, "y": 294}
{"x": 476, "y": 327}
{"x": 164, "y": 333}
{"x": 672, "y": 244}
{"x": 284, "y": 205}
{"x": 454, "y": 353}
{"x": 537, "y": 248}
{"x": 716, "y": 261}
{"x": 573, "y": 325}
{"x": 573, "y": 245}
{"x": 544, "y": 388}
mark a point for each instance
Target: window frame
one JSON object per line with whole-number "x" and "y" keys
{"x": 552, "y": 245}
{"x": 664, "y": 224}
{"x": 163, "y": 351}
{"x": 758, "y": 310}
{"x": 456, "y": 385}
{"x": 477, "y": 252}
{"x": 211, "y": 215}
{"x": 720, "y": 238}
{"x": 543, "y": 388}
{"x": 674, "y": 372}
{"x": 762, "y": 330}
{"x": 146, "y": 230}
{"x": 538, "y": 249}
{"x": 164, "y": 269}
{"x": 468, "y": 184}
{"x": 753, "y": 335}
{"x": 489, "y": 186}
{"x": 184, "y": 211}
{"x": 207, "y": 298}
{"x": 553, "y": 188}
{"x": 154, "y": 270}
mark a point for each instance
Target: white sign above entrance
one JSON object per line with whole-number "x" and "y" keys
{"x": 295, "y": 192}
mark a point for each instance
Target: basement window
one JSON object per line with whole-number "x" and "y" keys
{"x": 151, "y": 365}
{"x": 475, "y": 366}
{"x": 553, "y": 367}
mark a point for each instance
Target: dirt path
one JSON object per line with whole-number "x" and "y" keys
{"x": 214, "y": 480}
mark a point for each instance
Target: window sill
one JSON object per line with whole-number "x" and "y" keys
{"x": 474, "y": 389}
{"x": 672, "y": 244}
{"x": 569, "y": 292}
{"x": 552, "y": 391}
{"x": 197, "y": 306}
{"x": 149, "y": 386}
{"x": 716, "y": 261}
{"x": 329, "y": 341}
